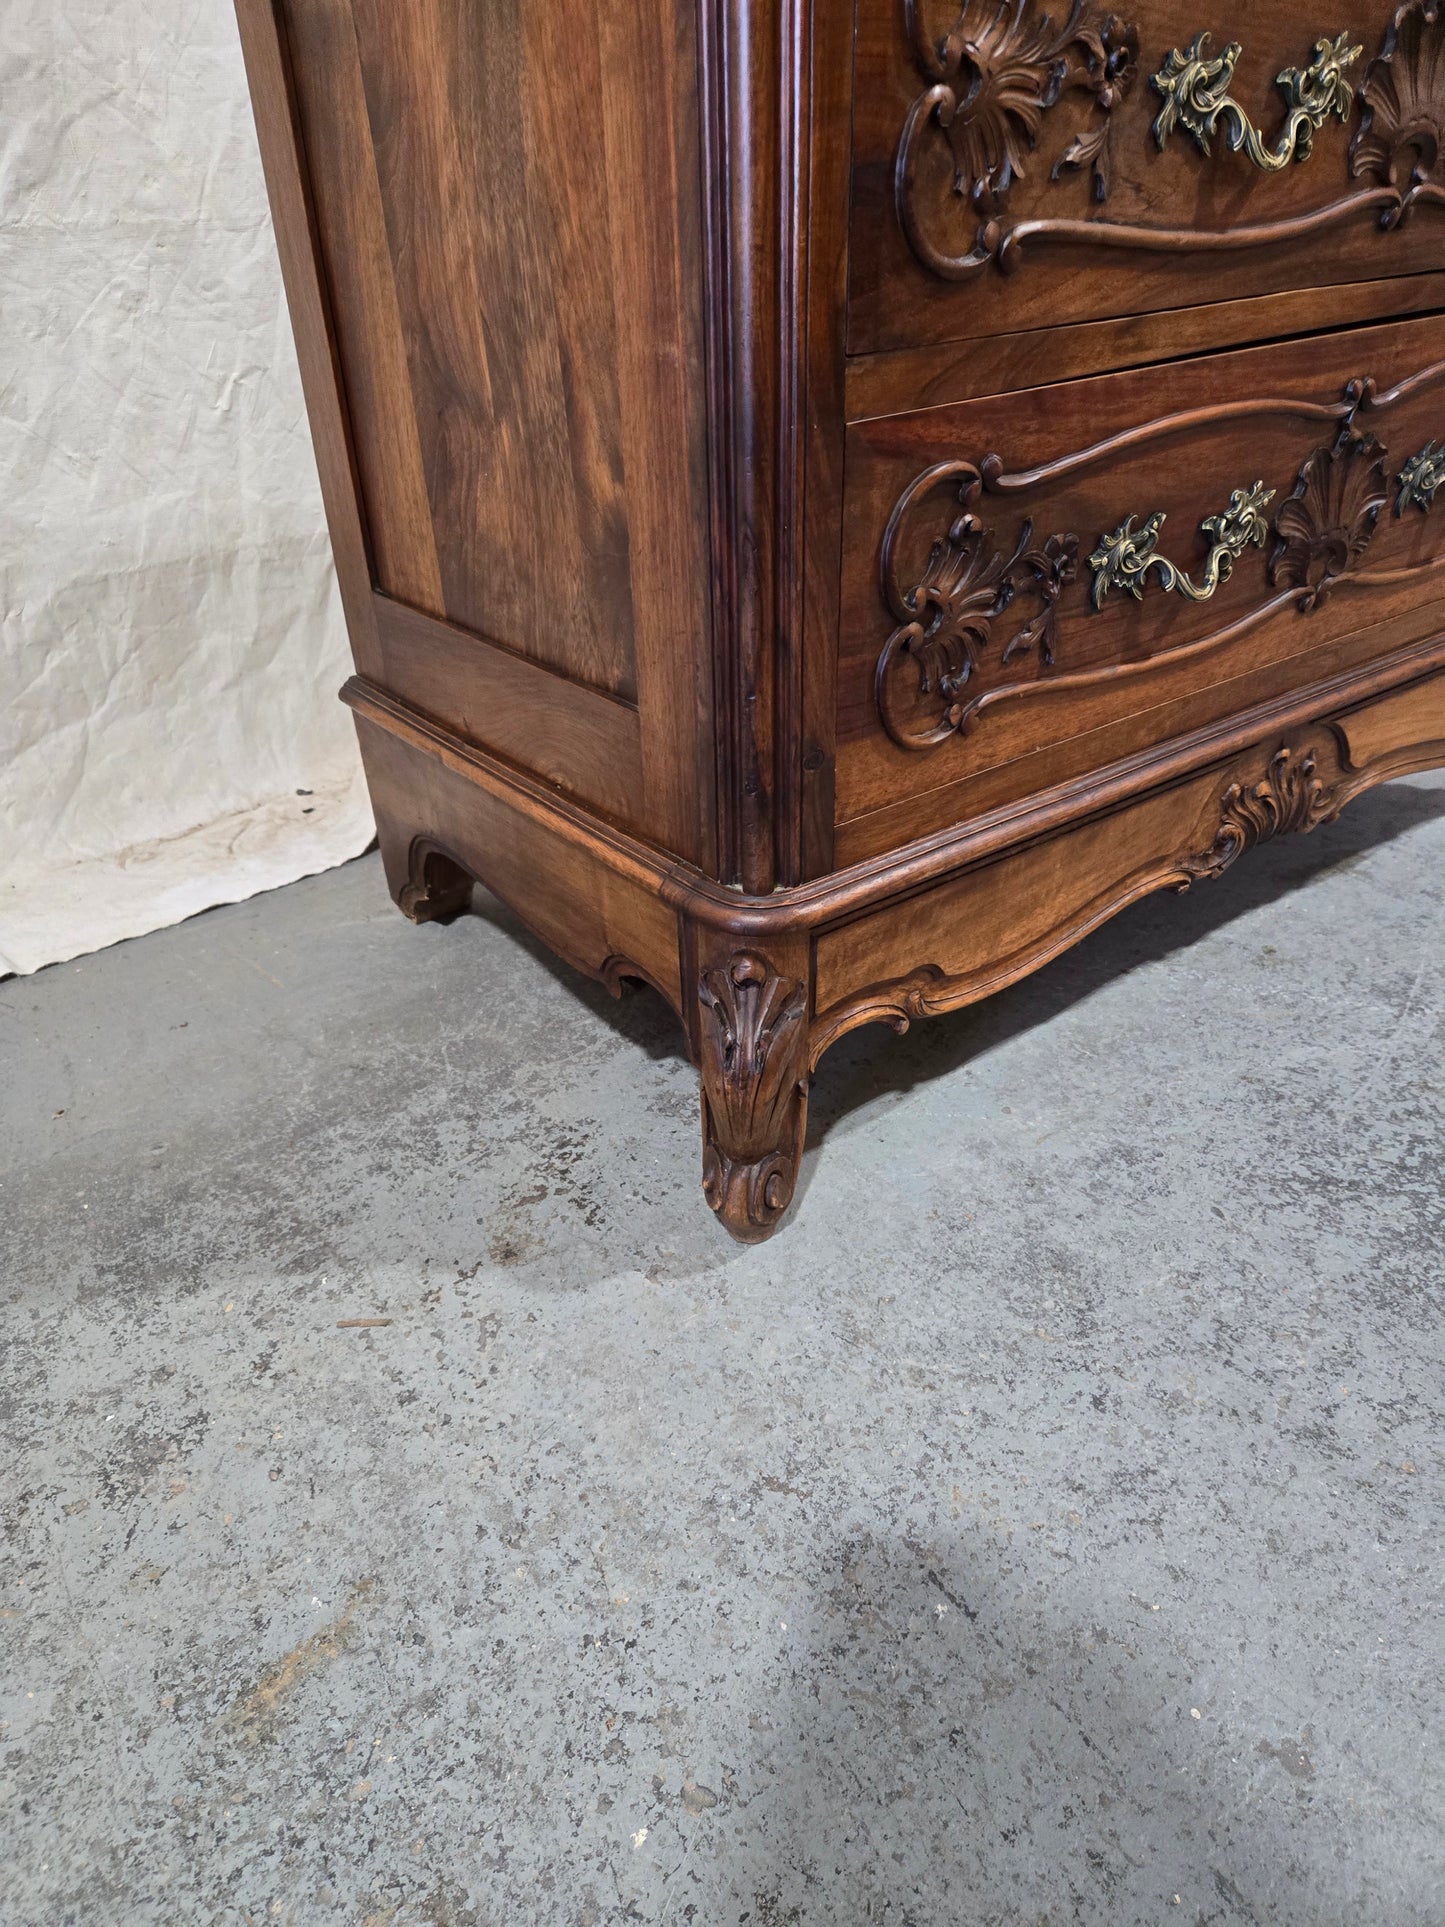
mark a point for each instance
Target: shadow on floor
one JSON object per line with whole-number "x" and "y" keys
{"x": 857, "y": 1070}
{"x": 1034, "y": 1764}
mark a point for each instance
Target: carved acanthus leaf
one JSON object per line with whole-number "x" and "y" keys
{"x": 1053, "y": 568}
{"x": 952, "y": 654}
{"x": 1289, "y": 797}
{"x": 993, "y": 78}
{"x": 753, "y": 1060}
{"x": 935, "y": 666}
{"x": 1003, "y": 67}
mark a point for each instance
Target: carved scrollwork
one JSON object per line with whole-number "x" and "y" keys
{"x": 933, "y": 667}
{"x": 1053, "y": 568}
{"x": 1198, "y": 102}
{"x": 952, "y": 653}
{"x": 1291, "y": 796}
{"x": 1303, "y": 785}
{"x": 1401, "y": 139}
{"x": 1330, "y": 519}
{"x": 992, "y": 79}
{"x": 754, "y": 1062}
{"x": 1421, "y": 476}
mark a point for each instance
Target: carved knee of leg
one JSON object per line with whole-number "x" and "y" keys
{"x": 754, "y": 1062}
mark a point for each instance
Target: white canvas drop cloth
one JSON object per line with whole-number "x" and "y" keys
{"x": 172, "y": 641}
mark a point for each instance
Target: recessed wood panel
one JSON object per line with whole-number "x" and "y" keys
{"x": 587, "y": 743}
{"x": 468, "y": 304}
{"x": 506, "y": 204}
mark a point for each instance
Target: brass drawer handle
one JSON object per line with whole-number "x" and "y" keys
{"x": 1420, "y": 477}
{"x": 1123, "y": 560}
{"x": 1197, "y": 98}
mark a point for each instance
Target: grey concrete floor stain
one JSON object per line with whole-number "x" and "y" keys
{"x": 1046, "y": 1528}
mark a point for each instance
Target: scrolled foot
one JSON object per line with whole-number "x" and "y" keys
{"x": 753, "y": 1056}
{"x": 750, "y": 1199}
{"x": 436, "y": 889}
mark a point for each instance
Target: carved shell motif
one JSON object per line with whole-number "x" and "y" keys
{"x": 1404, "y": 106}
{"x": 1329, "y": 520}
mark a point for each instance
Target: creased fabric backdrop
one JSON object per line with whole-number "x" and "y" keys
{"x": 172, "y": 641}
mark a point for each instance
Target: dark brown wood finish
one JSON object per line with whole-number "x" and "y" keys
{"x": 905, "y": 381}
{"x": 1012, "y": 656}
{"x": 817, "y": 690}
{"x": 774, "y": 90}
{"x": 750, "y": 107}
{"x": 1005, "y": 156}
{"x": 587, "y": 743}
{"x": 957, "y": 916}
{"x": 901, "y": 824}
{"x": 511, "y": 256}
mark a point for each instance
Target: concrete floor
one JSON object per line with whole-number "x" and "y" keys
{"x": 1046, "y": 1528}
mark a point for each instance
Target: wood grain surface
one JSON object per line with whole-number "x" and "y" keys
{"x": 806, "y": 546}
{"x": 507, "y": 211}
{"x": 1080, "y": 458}
{"x": 1186, "y": 227}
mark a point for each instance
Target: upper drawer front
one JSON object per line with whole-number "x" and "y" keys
{"x": 1013, "y": 168}
{"x": 1037, "y": 584}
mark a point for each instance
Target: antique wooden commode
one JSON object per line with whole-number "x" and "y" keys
{"x": 833, "y": 499}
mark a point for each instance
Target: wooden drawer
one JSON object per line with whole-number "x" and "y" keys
{"x": 1041, "y": 583}
{"x": 820, "y": 689}
{"x": 1108, "y": 163}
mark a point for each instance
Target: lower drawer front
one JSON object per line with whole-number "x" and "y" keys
{"x": 1037, "y": 584}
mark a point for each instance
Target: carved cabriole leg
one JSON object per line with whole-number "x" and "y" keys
{"x": 751, "y": 1048}
{"x": 765, "y": 984}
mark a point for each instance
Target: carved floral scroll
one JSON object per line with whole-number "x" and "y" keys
{"x": 992, "y": 79}
{"x": 986, "y": 620}
{"x": 964, "y": 615}
{"x": 1003, "y": 70}
{"x": 1290, "y": 798}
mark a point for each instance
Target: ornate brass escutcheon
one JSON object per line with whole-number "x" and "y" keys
{"x": 1123, "y": 560}
{"x": 1197, "y": 99}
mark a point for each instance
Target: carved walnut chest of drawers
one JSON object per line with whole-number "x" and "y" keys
{"x": 834, "y": 500}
